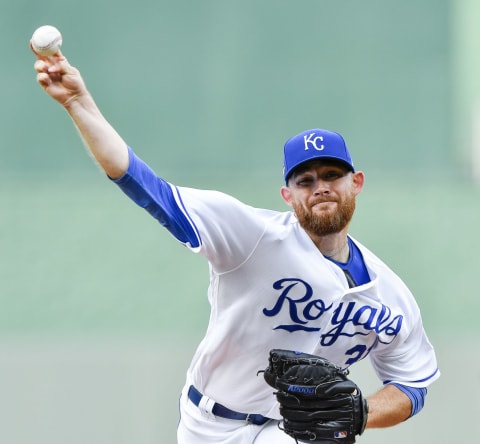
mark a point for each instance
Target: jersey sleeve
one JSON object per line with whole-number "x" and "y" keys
{"x": 411, "y": 361}
{"x": 230, "y": 230}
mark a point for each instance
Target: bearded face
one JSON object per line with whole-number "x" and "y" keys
{"x": 322, "y": 222}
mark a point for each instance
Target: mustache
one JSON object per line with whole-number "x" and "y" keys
{"x": 322, "y": 200}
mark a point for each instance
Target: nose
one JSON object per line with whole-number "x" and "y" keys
{"x": 321, "y": 187}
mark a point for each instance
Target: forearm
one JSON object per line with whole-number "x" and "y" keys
{"x": 388, "y": 407}
{"x": 103, "y": 142}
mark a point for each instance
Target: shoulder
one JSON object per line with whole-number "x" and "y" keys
{"x": 373, "y": 262}
{"x": 224, "y": 203}
{"x": 391, "y": 288}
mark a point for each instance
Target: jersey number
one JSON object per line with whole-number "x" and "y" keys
{"x": 358, "y": 352}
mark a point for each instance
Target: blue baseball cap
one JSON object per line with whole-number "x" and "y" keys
{"x": 314, "y": 144}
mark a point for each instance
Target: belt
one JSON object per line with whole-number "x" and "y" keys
{"x": 219, "y": 410}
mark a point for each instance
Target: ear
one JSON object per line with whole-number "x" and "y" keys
{"x": 358, "y": 181}
{"x": 286, "y": 195}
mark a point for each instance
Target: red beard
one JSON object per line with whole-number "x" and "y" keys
{"x": 326, "y": 223}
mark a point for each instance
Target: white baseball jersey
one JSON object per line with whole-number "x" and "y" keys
{"x": 270, "y": 287}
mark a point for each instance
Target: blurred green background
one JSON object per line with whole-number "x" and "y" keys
{"x": 101, "y": 309}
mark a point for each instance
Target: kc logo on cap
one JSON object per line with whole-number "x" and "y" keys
{"x": 314, "y": 144}
{"x": 312, "y": 141}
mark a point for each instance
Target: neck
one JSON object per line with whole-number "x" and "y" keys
{"x": 341, "y": 254}
{"x": 334, "y": 247}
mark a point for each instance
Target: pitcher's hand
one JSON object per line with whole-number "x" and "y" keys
{"x": 59, "y": 79}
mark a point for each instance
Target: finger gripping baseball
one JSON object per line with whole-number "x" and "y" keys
{"x": 317, "y": 400}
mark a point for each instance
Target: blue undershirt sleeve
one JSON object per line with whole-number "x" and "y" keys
{"x": 160, "y": 199}
{"x": 416, "y": 395}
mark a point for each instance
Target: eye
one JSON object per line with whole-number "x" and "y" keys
{"x": 332, "y": 175}
{"x": 303, "y": 181}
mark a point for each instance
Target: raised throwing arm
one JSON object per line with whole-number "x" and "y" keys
{"x": 64, "y": 83}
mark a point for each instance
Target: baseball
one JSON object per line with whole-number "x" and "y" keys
{"x": 46, "y": 40}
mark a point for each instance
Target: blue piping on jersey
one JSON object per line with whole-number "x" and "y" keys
{"x": 161, "y": 199}
{"x": 418, "y": 380}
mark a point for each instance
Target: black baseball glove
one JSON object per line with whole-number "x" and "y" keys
{"x": 318, "y": 402}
